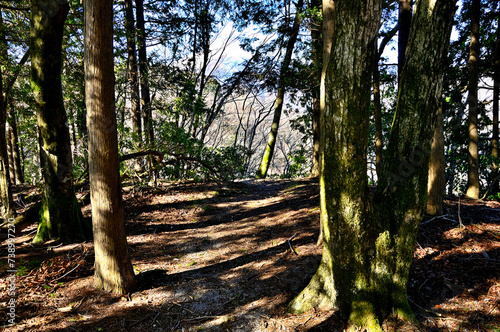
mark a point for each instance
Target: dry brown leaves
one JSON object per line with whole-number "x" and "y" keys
{"x": 53, "y": 271}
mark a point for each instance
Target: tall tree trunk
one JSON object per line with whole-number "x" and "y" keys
{"x": 344, "y": 140}
{"x": 15, "y": 166}
{"x": 133, "y": 78}
{"x": 144, "y": 74}
{"x": 436, "y": 187}
{"x": 280, "y": 98}
{"x": 328, "y": 9}
{"x": 472, "y": 101}
{"x": 16, "y": 154}
{"x": 404, "y": 22}
{"x": 113, "y": 268}
{"x": 60, "y": 217}
{"x": 6, "y": 203}
{"x": 496, "y": 100}
{"x": 316, "y": 127}
{"x": 317, "y": 57}
{"x": 10, "y": 152}
{"x": 401, "y": 197}
{"x": 368, "y": 246}
{"x": 206, "y": 28}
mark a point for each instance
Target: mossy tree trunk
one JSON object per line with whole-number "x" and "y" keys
{"x": 473, "y": 186}
{"x": 6, "y": 203}
{"x": 368, "y": 244}
{"x": 401, "y": 197}
{"x": 60, "y": 217}
{"x": 280, "y": 98}
{"x": 113, "y": 268}
{"x": 343, "y": 276}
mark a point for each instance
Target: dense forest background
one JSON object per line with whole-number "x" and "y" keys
{"x": 211, "y": 70}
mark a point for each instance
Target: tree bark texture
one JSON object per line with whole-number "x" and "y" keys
{"x": 368, "y": 244}
{"x": 401, "y": 195}
{"x": 404, "y": 22}
{"x": 317, "y": 57}
{"x": 341, "y": 279}
{"x": 144, "y": 73}
{"x": 328, "y": 9}
{"x": 436, "y": 186}
{"x": 473, "y": 186}
{"x": 113, "y": 268}
{"x": 133, "y": 75}
{"x": 6, "y": 204}
{"x": 61, "y": 217}
{"x": 10, "y": 152}
{"x": 147, "y": 114}
{"x": 496, "y": 101}
{"x": 280, "y": 98}
{"x": 14, "y": 144}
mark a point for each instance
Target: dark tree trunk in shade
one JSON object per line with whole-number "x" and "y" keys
{"x": 60, "y": 217}
{"x": 133, "y": 79}
{"x": 14, "y": 143}
{"x": 404, "y": 22}
{"x": 6, "y": 203}
{"x": 496, "y": 101}
{"x": 144, "y": 79}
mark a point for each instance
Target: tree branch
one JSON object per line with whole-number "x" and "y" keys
{"x": 21, "y": 63}
{"x": 177, "y": 156}
{"x": 387, "y": 38}
{"x": 141, "y": 154}
{"x": 2, "y": 6}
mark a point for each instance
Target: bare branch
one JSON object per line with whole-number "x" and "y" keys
{"x": 2, "y": 6}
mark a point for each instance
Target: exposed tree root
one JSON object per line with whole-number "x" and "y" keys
{"x": 319, "y": 294}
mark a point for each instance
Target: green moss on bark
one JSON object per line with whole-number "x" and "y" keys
{"x": 319, "y": 293}
{"x": 368, "y": 244}
{"x": 75, "y": 228}
{"x": 363, "y": 315}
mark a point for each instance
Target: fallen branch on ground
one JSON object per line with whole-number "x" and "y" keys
{"x": 27, "y": 218}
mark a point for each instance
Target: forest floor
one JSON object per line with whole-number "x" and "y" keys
{"x": 213, "y": 257}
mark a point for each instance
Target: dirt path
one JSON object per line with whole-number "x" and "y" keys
{"x": 230, "y": 258}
